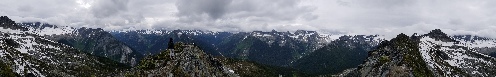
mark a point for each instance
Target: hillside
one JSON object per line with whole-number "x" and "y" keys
{"x": 24, "y": 53}
{"x": 432, "y": 54}
{"x": 94, "y": 41}
{"x": 346, "y": 52}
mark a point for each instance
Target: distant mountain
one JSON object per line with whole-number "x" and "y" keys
{"x": 273, "y": 48}
{"x": 94, "y": 41}
{"x": 432, "y": 54}
{"x": 188, "y": 60}
{"x": 29, "y": 50}
{"x": 283, "y": 49}
{"x": 25, "y": 53}
{"x": 154, "y": 41}
{"x": 39, "y": 49}
{"x": 480, "y": 44}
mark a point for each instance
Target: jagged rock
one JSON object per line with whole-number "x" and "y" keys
{"x": 439, "y": 35}
{"x": 6, "y": 23}
{"x": 188, "y": 60}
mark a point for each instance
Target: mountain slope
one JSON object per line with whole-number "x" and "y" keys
{"x": 27, "y": 54}
{"x": 246, "y": 68}
{"x": 448, "y": 57}
{"x": 343, "y": 53}
{"x": 281, "y": 49}
{"x": 432, "y": 54}
{"x": 188, "y": 60}
{"x": 480, "y": 44}
{"x": 273, "y": 48}
{"x": 398, "y": 57}
{"x": 95, "y": 41}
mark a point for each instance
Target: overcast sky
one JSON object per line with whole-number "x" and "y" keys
{"x": 385, "y": 17}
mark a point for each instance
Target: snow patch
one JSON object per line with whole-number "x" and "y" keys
{"x": 455, "y": 55}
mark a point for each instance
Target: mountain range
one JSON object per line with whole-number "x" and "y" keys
{"x": 41, "y": 49}
{"x": 25, "y": 53}
{"x": 283, "y": 49}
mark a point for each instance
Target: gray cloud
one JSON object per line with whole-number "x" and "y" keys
{"x": 388, "y": 17}
{"x": 213, "y": 8}
{"x": 25, "y": 8}
{"x": 105, "y": 8}
{"x": 258, "y": 12}
{"x": 242, "y": 15}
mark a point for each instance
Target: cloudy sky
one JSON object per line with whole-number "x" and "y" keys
{"x": 385, "y": 17}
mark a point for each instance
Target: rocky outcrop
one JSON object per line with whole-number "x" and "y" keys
{"x": 187, "y": 60}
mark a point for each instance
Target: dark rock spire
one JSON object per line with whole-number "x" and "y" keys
{"x": 6, "y": 22}
{"x": 439, "y": 35}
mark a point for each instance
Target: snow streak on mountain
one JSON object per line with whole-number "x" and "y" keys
{"x": 28, "y": 54}
{"x": 432, "y": 54}
{"x": 94, "y": 41}
{"x": 448, "y": 57}
{"x": 40, "y": 49}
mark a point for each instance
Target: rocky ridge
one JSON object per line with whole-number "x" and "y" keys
{"x": 432, "y": 54}
{"x": 186, "y": 60}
